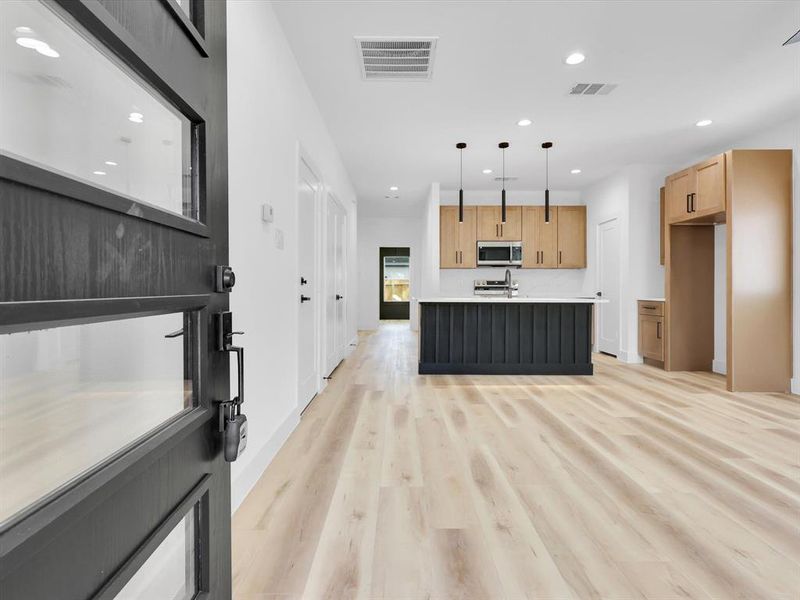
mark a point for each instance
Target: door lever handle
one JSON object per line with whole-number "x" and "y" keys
{"x": 232, "y": 423}
{"x": 305, "y": 299}
{"x": 338, "y": 297}
{"x": 175, "y": 334}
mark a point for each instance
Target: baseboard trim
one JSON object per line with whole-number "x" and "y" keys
{"x": 632, "y": 358}
{"x": 720, "y": 367}
{"x": 249, "y": 476}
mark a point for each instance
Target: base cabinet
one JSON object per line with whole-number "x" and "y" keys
{"x": 651, "y": 330}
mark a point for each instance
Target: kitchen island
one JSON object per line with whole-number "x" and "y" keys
{"x": 506, "y": 336}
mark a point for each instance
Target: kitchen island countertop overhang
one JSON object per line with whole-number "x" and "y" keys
{"x": 538, "y": 335}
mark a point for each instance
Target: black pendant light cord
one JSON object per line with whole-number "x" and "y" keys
{"x": 461, "y": 146}
{"x": 503, "y": 146}
{"x": 547, "y": 146}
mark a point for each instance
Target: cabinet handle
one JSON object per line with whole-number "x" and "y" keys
{"x": 461, "y": 256}
{"x": 648, "y": 307}
{"x": 693, "y": 197}
{"x": 456, "y": 256}
{"x": 559, "y": 257}
{"x": 658, "y": 330}
{"x": 688, "y": 210}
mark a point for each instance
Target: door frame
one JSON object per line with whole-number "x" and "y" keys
{"x": 329, "y": 195}
{"x": 599, "y": 248}
{"x": 58, "y": 530}
{"x": 303, "y": 157}
{"x": 396, "y": 305}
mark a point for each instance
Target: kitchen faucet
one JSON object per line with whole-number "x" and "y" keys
{"x": 508, "y": 284}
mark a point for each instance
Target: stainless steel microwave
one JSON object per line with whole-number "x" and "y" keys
{"x": 499, "y": 254}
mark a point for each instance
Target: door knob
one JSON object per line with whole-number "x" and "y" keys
{"x": 305, "y": 299}
{"x": 303, "y": 281}
{"x": 338, "y": 297}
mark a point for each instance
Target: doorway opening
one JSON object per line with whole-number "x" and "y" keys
{"x": 608, "y": 280}
{"x": 395, "y": 283}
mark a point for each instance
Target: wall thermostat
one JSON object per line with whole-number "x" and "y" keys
{"x": 267, "y": 214}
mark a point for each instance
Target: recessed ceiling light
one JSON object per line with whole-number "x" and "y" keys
{"x": 136, "y": 117}
{"x": 32, "y": 43}
{"x": 23, "y": 30}
{"x": 99, "y": 172}
{"x": 394, "y": 188}
{"x": 524, "y": 122}
{"x": 575, "y": 58}
{"x": 48, "y": 51}
{"x": 111, "y": 163}
{"x": 575, "y": 171}
{"x": 703, "y": 123}
{"x": 487, "y": 171}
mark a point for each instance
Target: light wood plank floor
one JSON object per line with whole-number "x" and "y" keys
{"x": 634, "y": 483}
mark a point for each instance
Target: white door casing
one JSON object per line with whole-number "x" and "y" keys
{"x": 335, "y": 284}
{"x": 308, "y": 186}
{"x": 608, "y": 281}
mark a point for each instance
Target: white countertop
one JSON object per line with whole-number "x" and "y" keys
{"x": 652, "y": 299}
{"x": 519, "y": 299}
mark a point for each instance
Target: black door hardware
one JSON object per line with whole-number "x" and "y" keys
{"x": 303, "y": 281}
{"x": 232, "y": 422}
{"x": 599, "y": 294}
{"x": 692, "y": 196}
{"x": 175, "y": 334}
{"x": 305, "y": 299}
{"x": 224, "y": 278}
{"x": 687, "y": 203}
{"x": 338, "y": 297}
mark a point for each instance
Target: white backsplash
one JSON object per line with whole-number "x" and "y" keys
{"x": 532, "y": 282}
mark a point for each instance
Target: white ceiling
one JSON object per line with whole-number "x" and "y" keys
{"x": 676, "y": 62}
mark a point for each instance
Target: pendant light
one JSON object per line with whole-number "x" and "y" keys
{"x": 461, "y": 146}
{"x": 547, "y": 146}
{"x": 503, "y": 146}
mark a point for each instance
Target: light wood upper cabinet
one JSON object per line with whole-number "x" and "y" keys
{"x": 539, "y": 239}
{"x": 676, "y": 190}
{"x": 698, "y": 192}
{"x": 709, "y": 188}
{"x": 457, "y": 240}
{"x": 491, "y": 228}
{"x": 571, "y": 237}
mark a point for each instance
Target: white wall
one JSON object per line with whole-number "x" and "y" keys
{"x": 271, "y": 113}
{"x": 374, "y": 233}
{"x": 720, "y": 364}
{"x": 632, "y": 197}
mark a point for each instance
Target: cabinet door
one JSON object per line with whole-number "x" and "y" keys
{"x": 571, "y": 226}
{"x": 651, "y": 337}
{"x": 709, "y": 186}
{"x": 449, "y": 257}
{"x": 530, "y": 237}
{"x": 468, "y": 238}
{"x": 677, "y": 195}
{"x": 547, "y": 234}
{"x": 511, "y": 230}
{"x": 488, "y": 223}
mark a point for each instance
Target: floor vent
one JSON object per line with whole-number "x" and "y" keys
{"x": 400, "y": 58}
{"x": 592, "y": 89}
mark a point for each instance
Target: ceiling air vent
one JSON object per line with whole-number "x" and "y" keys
{"x": 399, "y": 58}
{"x": 592, "y": 89}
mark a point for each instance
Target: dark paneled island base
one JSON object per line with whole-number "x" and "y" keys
{"x": 505, "y": 338}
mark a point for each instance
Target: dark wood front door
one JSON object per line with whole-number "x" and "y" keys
{"x": 395, "y": 282}
{"x": 113, "y": 217}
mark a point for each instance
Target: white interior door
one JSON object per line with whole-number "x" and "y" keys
{"x": 308, "y": 292}
{"x": 341, "y": 283}
{"x": 608, "y": 285}
{"x": 335, "y": 284}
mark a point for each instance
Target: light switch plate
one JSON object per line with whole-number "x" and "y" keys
{"x": 267, "y": 214}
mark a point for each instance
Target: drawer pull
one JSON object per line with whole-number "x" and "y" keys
{"x": 649, "y": 307}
